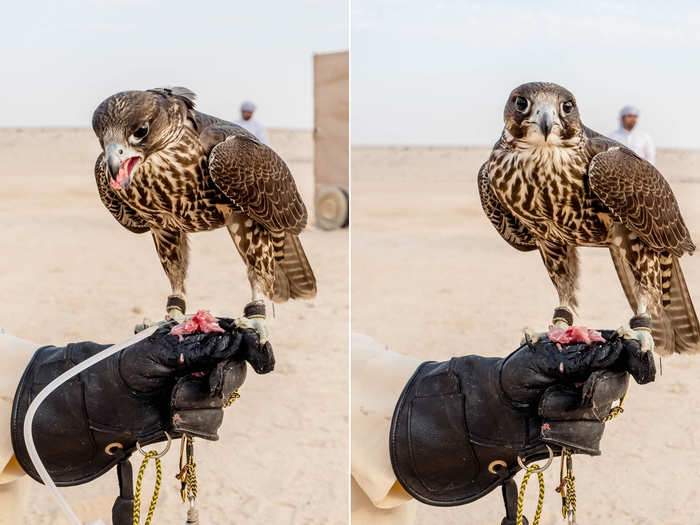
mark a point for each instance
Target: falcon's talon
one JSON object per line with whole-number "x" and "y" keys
{"x": 642, "y": 336}
{"x": 532, "y": 335}
{"x": 257, "y": 324}
{"x": 147, "y": 323}
{"x": 529, "y": 336}
{"x": 174, "y": 314}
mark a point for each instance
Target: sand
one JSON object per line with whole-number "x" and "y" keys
{"x": 69, "y": 272}
{"x": 431, "y": 278}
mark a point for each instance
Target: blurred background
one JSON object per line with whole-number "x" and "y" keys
{"x": 439, "y": 72}
{"x": 61, "y": 59}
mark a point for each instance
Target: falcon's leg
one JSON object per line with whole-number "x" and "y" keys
{"x": 254, "y": 314}
{"x": 562, "y": 265}
{"x": 255, "y": 247}
{"x": 173, "y": 250}
{"x": 646, "y": 269}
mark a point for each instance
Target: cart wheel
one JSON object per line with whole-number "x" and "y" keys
{"x": 332, "y": 208}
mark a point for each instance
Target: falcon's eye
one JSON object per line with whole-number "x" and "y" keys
{"x": 522, "y": 104}
{"x": 567, "y": 107}
{"x": 141, "y": 133}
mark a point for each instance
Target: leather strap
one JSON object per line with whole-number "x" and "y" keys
{"x": 254, "y": 309}
{"x": 123, "y": 508}
{"x": 175, "y": 301}
{"x": 510, "y": 499}
{"x": 562, "y": 313}
{"x": 640, "y": 321}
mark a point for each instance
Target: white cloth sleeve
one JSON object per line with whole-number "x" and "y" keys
{"x": 262, "y": 135}
{"x": 15, "y": 354}
{"x": 378, "y": 377}
{"x": 649, "y": 151}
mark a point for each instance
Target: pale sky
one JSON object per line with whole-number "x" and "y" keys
{"x": 60, "y": 59}
{"x": 439, "y": 72}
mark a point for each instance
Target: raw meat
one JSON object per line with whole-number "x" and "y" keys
{"x": 574, "y": 334}
{"x": 202, "y": 321}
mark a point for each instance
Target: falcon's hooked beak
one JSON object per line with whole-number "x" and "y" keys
{"x": 121, "y": 162}
{"x": 545, "y": 117}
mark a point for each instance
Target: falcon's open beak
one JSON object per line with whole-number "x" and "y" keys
{"x": 121, "y": 161}
{"x": 545, "y": 116}
{"x": 113, "y": 158}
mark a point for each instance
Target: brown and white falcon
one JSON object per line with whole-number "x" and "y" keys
{"x": 551, "y": 184}
{"x": 171, "y": 170}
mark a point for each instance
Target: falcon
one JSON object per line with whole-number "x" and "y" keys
{"x": 551, "y": 184}
{"x": 170, "y": 170}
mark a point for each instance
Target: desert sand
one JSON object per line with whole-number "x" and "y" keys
{"x": 432, "y": 278}
{"x": 69, "y": 272}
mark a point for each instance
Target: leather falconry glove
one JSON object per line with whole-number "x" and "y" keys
{"x": 157, "y": 385}
{"x": 460, "y": 425}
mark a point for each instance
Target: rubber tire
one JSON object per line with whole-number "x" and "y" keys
{"x": 332, "y": 208}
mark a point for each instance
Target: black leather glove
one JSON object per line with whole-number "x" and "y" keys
{"x": 157, "y": 385}
{"x": 459, "y": 426}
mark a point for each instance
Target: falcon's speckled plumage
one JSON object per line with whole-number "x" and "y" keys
{"x": 171, "y": 170}
{"x": 552, "y": 184}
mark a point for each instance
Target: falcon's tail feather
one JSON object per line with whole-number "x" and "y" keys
{"x": 294, "y": 278}
{"x": 675, "y": 325}
{"x": 679, "y": 311}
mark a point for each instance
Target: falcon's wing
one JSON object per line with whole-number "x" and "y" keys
{"x": 123, "y": 213}
{"x": 255, "y": 178}
{"x": 510, "y": 228}
{"x": 639, "y": 196}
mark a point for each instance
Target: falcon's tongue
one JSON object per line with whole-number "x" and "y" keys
{"x": 124, "y": 172}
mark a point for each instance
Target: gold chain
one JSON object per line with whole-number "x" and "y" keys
{"x": 567, "y": 487}
{"x": 521, "y": 495}
{"x": 618, "y": 410}
{"x": 614, "y": 412}
{"x": 188, "y": 470}
{"x": 156, "y": 490}
{"x": 232, "y": 398}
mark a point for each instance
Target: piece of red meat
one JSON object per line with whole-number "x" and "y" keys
{"x": 574, "y": 334}
{"x": 202, "y": 321}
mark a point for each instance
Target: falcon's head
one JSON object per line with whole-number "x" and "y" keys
{"x": 132, "y": 125}
{"x": 541, "y": 114}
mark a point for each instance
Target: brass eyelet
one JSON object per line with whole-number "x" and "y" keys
{"x": 496, "y": 463}
{"x": 109, "y": 448}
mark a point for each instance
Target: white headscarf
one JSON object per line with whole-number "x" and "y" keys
{"x": 629, "y": 110}
{"x": 248, "y": 106}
